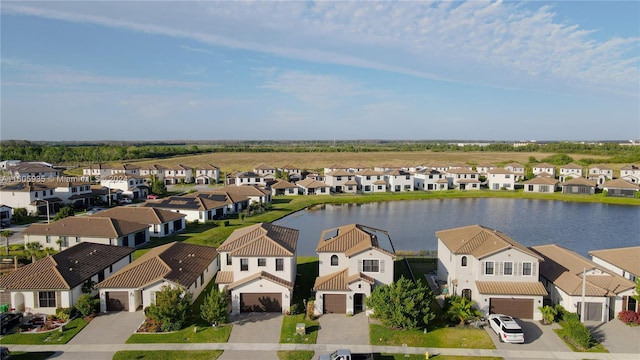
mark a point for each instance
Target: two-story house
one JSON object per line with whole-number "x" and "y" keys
{"x": 33, "y": 171}
{"x": 57, "y": 281}
{"x": 566, "y": 274}
{"x": 463, "y": 179}
{"x": 570, "y": 171}
{"x": 429, "y": 179}
{"x": 152, "y": 172}
{"x": 544, "y": 169}
{"x": 258, "y": 268}
{"x": 630, "y": 173}
{"x": 240, "y": 178}
{"x": 265, "y": 171}
{"x": 35, "y": 197}
{"x": 492, "y": 269}
{"x": 352, "y": 262}
{"x": 398, "y": 180}
{"x": 178, "y": 264}
{"x": 500, "y": 178}
{"x": 341, "y": 181}
{"x": 600, "y": 174}
{"x": 132, "y": 186}
{"x": 483, "y": 169}
{"x": 207, "y": 174}
{"x": 178, "y": 174}
{"x": 517, "y": 169}
{"x": 290, "y": 173}
{"x": 370, "y": 181}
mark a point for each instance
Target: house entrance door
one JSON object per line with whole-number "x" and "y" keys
{"x": 358, "y": 303}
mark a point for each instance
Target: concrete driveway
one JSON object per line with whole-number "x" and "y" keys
{"x": 339, "y": 329}
{"x": 536, "y": 337}
{"x": 109, "y": 328}
{"x": 254, "y": 328}
{"x": 616, "y": 336}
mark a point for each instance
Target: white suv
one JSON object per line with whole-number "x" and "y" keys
{"x": 507, "y": 329}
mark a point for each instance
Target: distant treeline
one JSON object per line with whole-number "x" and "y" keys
{"x": 82, "y": 152}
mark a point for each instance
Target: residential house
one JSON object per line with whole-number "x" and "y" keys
{"x": 600, "y": 174}
{"x": 254, "y": 194}
{"x": 74, "y": 230}
{"x": 105, "y": 194}
{"x": 542, "y": 184}
{"x": 430, "y": 179}
{"x": 45, "y": 196}
{"x": 265, "y": 171}
{"x": 178, "y": 174}
{"x": 620, "y": 188}
{"x": 134, "y": 187}
{"x": 315, "y": 176}
{"x": 33, "y": 172}
{"x": 207, "y": 174}
{"x": 492, "y": 269}
{"x": 570, "y": 171}
{"x": 6, "y": 214}
{"x": 125, "y": 169}
{"x": 384, "y": 167}
{"x": 341, "y": 181}
{"x": 440, "y": 167}
{"x": 258, "y": 268}
{"x": 398, "y": 180}
{"x": 371, "y": 181}
{"x": 623, "y": 262}
{"x": 578, "y": 185}
{"x": 500, "y": 179}
{"x": 245, "y": 178}
{"x": 291, "y": 173}
{"x": 57, "y": 281}
{"x": 161, "y": 222}
{"x": 517, "y": 169}
{"x": 309, "y": 186}
{"x": 153, "y": 171}
{"x": 96, "y": 171}
{"x": 282, "y": 187}
{"x": 335, "y": 167}
{"x": 357, "y": 167}
{"x": 200, "y": 206}
{"x": 463, "y": 179}
{"x": 459, "y": 166}
{"x": 177, "y": 264}
{"x": 565, "y": 275}
{"x": 544, "y": 169}
{"x": 483, "y": 169}
{"x": 352, "y": 262}
{"x": 630, "y": 173}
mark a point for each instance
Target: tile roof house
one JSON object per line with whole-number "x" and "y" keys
{"x": 578, "y": 185}
{"x": 623, "y": 261}
{"x": 542, "y": 184}
{"x": 200, "y": 206}
{"x": 600, "y": 174}
{"x": 152, "y": 171}
{"x": 178, "y": 174}
{"x": 544, "y": 169}
{"x": 430, "y": 179}
{"x": 352, "y": 262}
{"x": 630, "y": 173}
{"x": 371, "y": 181}
{"x": 398, "y": 180}
{"x": 620, "y": 188}
{"x": 74, "y": 230}
{"x": 290, "y": 172}
{"x": 6, "y": 213}
{"x": 177, "y": 264}
{"x": 341, "y": 181}
{"x": 37, "y": 196}
{"x": 282, "y": 187}
{"x": 492, "y": 269}
{"x": 563, "y": 272}
{"x": 207, "y": 174}
{"x": 161, "y": 222}
{"x": 33, "y": 171}
{"x": 57, "y": 280}
{"x": 500, "y": 178}
{"x": 483, "y": 169}
{"x": 309, "y": 186}
{"x": 240, "y": 178}
{"x": 517, "y": 169}
{"x": 255, "y": 194}
{"x": 463, "y": 179}
{"x": 258, "y": 268}
{"x": 570, "y": 170}
{"x": 132, "y": 186}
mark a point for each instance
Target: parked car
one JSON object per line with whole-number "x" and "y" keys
{"x": 125, "y": 200}
{"x": 152, "y": 196}
{"x": 507, "y": 329}
{"x": 345, "y": 354}
{"x": 9, "y": 320}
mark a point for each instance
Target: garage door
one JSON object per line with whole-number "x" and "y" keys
{"x": 117, "y": 301}
{"x": 260, "y": 302}
{"x": 593, "y": 311}
{"x": 335, "y": 304}
{"x": 518, "y": 308}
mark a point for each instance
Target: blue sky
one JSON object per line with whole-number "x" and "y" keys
{"x": 160, "y": 70}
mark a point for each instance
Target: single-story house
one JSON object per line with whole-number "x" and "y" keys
{"x": 308, "y": 186}
{"x": 282, "y": 187}
{"x": 57, "y": 281}
{"x": 579, "y": 185}
{"x": 620, "y": 188}
{"x": 176, "y": 264}
{"x": 541, "y": 184}
{"x": 161, "y": 222}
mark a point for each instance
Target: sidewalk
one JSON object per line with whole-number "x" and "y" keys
{"x": 323, "y": 349}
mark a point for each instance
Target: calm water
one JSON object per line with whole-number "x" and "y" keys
{"x": 412, "y": 224}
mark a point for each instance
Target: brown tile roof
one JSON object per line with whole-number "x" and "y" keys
{"x": 627, "y": 258}
{"x": 579, "y": 181}
{"x": 571, "y": 166}
{"x": 479, "y": 241}
{"x": 178, "y": 262}
{"x": 140, "y": 214}
{"x": 500, "y": 171}
{"x": 351, "y": 182}
{"x": 564, "y": 268}
{"x": 543, "y": 165}
{"x": 282, "y": 184}
{"x": 369, "y": 172}
{"x": 339, "y": 281}
{"x": 542, "y": 180}
{"x": 263, "y": 239}
{"x": 224, "y": 277}
{"x": 350, "y": 240}
{"x": 89, "y": 226}
{"x": 620, "y": 184}
{"x": 245, "y": 190}
{"x": 310, "y": 183}
{"x": 511, "y": 288}
{"x": 340, "y": 172}
{"x": 264, "y": 167}
{"x": 259, "y": 276}
{"x": 66, "y": 269}
{"x": 461, "y": 171}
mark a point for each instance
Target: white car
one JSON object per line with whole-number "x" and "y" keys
{"x": 507, "y": 329}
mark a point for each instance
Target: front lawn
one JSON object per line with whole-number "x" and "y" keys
{"x": 202, "y": 334}
{"x": 288, "y": 330}
{"x": 168, "y": 354}
{"x": 445, "y": 337}
{"x": 48, "y": 338}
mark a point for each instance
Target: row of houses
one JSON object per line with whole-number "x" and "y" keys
{"x": 257, "y": 267}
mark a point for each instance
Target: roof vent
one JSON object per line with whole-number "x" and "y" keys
{"x": 70, "y": 269}
{"x": 180, "y": 269}
{"x": 179, "y": 261}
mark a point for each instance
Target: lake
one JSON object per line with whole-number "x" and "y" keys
{"x": 580, "y": 227}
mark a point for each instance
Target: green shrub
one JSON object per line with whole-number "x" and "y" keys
{"x": 87, "y": 305}
{"x": 65, "y": 314}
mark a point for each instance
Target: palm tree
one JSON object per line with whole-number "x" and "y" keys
{"x": 462, "y": 309}
{"x": 32, "y": 249}
{"x": 548, "y": 313}
{"x": 6, "y": 234}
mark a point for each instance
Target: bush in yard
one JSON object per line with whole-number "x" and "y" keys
{"x": 87, "y": 305}
{"x": 575, "y": 332}
{"x": 215, "y": 307}
{"x": 629, "y": 317}
{"x": 65, "y": 314}
{"x": 548, "y": 313}
{"x": 171, "y": 308}
{"x": 402, "y": 304}
{"x": 460, "y": 309}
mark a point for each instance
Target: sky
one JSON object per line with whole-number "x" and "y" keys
{"x": 327, "y": 70}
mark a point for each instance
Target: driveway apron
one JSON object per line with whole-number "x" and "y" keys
{"x": 109, "y": 328}
{"x": 342, "y": 329}
{"x": 616, "y": 336}
{"x": 254, "y": 328}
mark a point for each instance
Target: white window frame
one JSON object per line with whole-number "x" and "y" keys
{"x": 373, "y": 266}
{"x": 493, "y": 268}
{"x": 530, "y": 268}
{"x": 504, "y": 268}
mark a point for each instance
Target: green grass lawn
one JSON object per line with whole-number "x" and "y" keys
{"x": 201, "y": 334}
{"x": 288, "y": 330}
{"x": 36, "y": 355}
{"x": 295, "y": 355}
{"x": 164, "y": 354}
{"x": 596, "y": 348}
{"x": 47, "y": 338}
{"x": 446, "y": 337}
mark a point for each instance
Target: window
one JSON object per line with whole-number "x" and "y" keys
{"x": 280, "y": 264}
{"x": 78, "y": 239}
{"x": 526, "y": 269}
{"x": 463, "y": 261}
{"x": 334, "y": 260}
{"x": 228, "y": 259}
{"x": 488, "y": 268}
{"x": 466, "y": 293}
{"x": 530, "y": 187}
{"x": 507, "y": 176}
{"x": 262, "y": 262}
{"x": 371, "y": 265}
{"x": 244, "y": 264}
{"x": 508, "y": 268}
{"x": 48, "y": 239}
{"x": 202, "y": 279}
{"x": 47, "y": 299}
